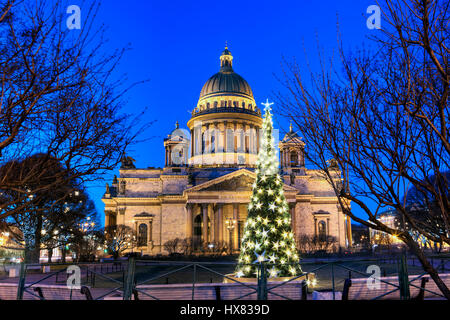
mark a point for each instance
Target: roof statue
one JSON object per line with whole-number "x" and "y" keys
{"x": 127, "y": 162}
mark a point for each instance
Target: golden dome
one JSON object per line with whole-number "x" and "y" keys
{"x": 226, "y": 83}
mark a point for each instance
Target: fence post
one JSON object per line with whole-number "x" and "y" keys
{"x": 332, "y": 279}
{"x": 129, "y": 280}
{"x": 21, "y": 284}
{"x": 262, "y": 282}
{"x": 403, "y": 279}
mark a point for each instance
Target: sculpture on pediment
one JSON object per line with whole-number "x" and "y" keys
{"x": 127, "y": 162}
{"x": 242, "y": 183}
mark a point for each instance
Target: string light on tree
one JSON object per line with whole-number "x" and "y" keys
{"x": 268, "y": 235}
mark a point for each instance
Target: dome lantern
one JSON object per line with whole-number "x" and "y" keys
{"x": 226, "y": 61}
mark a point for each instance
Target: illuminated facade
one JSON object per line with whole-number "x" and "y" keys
{"x": 208, "y": 173}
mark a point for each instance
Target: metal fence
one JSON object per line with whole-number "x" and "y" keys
{"x": 392, "y": 277}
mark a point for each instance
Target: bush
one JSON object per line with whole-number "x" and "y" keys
{"x": 173, "y": 246}
{"x": 314, "y": 244}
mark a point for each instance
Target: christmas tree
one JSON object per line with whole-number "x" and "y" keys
{"x": 267, "y": 235}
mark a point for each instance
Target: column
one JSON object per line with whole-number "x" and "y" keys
{"x": 349, "y": 231}
{"x": 292, "y": 212}
{"x": 216, "y": 138}
{"x": 212, "y": 230}
{"x": 150, "y": 231}
{"x": 257, "y": 139}
{"x": 189, "y": 219}
{"x": 165, "y": 162}
{"x": 242, "y": 138}
{"x": 235, "y": 139}
{"x": 225, "y": 137}
{"x": 281, "y": 158}
{"x": 252, "y": 140}
{"x": 328, "y": 226}
{"x": 107, "y": 218}
{"x": 192, "y": 143}
{"x": 198, "y": 134}
{"x": 286, "y": 158}
{"x": 220, "y": 222}
{"x": 315, "y": 226}
{"x": 235, "y": 231}
{"x": 169, "y": 156}
{"x": 205, "y": 222}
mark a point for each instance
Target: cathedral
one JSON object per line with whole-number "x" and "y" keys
{"x": 205, "y": 186}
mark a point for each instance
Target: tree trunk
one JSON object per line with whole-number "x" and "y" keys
{"x": 49, "y": 254}
{"x": 32, "y": 254}
{"x": 428, "y": 267}
{"x": 63, "y": 254}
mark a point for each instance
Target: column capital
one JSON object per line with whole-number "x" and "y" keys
{"x": 190, "y": 205}
{"x": 204, "y": 205}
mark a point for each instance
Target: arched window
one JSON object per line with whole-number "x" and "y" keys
{"x": 294, "y": 159}
{"x": 112, "y": 220}
{"x": 198, "y": 226}
{"x": 142, "y": 235}
{"x": 203, "y": 143}
{"x": 247, "y": 143}
{"x": 213, "y": 144}
{"x": 322, "y": 229}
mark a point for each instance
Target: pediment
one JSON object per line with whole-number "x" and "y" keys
{"x": 241, "y": 180}
{"x": 241, "y": 183}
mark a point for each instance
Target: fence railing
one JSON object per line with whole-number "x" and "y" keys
{"x": 146, "y": 279}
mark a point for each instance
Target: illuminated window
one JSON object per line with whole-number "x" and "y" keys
{"x": 322, "y": 229}
{"x": 142, "y": 235}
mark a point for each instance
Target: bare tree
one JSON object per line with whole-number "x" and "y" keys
{"x": 173, "y": 246}
{"x": 312, "y": 244}
{"x": 383, "y": 118}
{"x": 58, "y": 96}
{"x": 119, "y": 238}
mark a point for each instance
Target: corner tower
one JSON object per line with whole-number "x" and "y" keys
{"x": 225, "y": 124}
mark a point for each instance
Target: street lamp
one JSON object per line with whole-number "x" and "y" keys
{"x": 231, "y": 224}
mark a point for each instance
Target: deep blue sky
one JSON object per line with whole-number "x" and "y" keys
{"x": 177, "y": 44}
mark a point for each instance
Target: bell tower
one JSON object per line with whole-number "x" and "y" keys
{"x": 176, "y": 147}
{"x": 292, "y": 157}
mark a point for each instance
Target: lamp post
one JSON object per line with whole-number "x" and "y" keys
{"x": 231, "y": 224}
